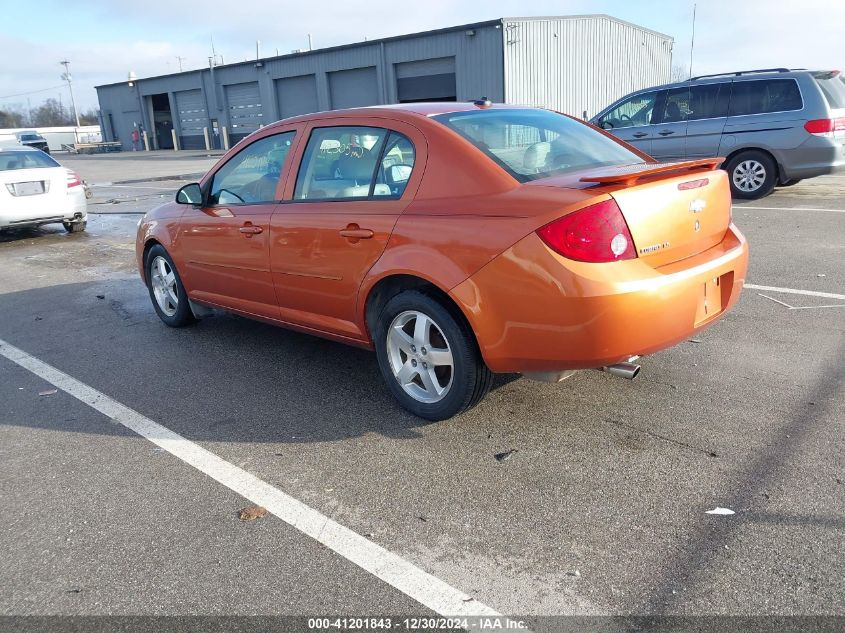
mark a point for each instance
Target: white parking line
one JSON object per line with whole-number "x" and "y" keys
{"x": 401, "y": 574}
{"x": 793, "y": 291}
{"x": 742, "y": 206}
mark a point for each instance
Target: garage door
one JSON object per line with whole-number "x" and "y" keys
{"x": 245, "y": 116}
{"x": 296, "y": 95}
{"x": 354, "y": 88}
{"x": 426, "y": 80}
{"x": 192, "y": 118}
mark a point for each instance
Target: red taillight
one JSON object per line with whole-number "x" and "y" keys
{"x": 824, "y": 127}
{"x": 597, "y": 233}
{"x": 72, "y": 179}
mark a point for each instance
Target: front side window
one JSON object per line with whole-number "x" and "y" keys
{"x": 25, "y": 160}
{"x": 532, "y": 144}
{"x": 252, "y": 175}
{"x": 765, "y": 95}
{"x": 340, "y": 163}
{"x": 631, "y": 112}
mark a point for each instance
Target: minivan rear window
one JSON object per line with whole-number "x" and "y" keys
{"x": 832, "y": 87}
{"x": 25, "y": 160}
{"x": 765, "y": 95}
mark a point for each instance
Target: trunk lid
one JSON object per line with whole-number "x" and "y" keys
{"x": 672, "y": 217}
{"x": 29, "y": 194}
{"x": 673, "y": 210}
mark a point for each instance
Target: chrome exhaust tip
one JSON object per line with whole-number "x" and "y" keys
{"x": 627, "y": 371}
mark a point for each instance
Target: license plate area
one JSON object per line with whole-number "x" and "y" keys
{"x": 715, "y": 295}
{"x": 32, "y": 188}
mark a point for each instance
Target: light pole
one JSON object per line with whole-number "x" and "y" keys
{"x": 67, "y": 77}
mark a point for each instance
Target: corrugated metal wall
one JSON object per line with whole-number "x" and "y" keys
{"x": 572, "y": 64}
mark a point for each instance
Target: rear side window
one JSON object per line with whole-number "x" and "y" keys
{"x": 342, "y": 163}
{"x": 25, "y": 160}
{"x": 832, "y": 85}
{"x": 709, "y": 101}
{"x": 532, "y": 144}
{"x": 765, "y": 95}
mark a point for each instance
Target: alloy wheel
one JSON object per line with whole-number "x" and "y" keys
{"x": 420, "y": 356}
{"x": 163, "y": 282}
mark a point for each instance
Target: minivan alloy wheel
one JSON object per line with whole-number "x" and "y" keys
{"x": 420, "y": 356}
{"x": 749, "y": 175}
{"x": 163, "y": 281}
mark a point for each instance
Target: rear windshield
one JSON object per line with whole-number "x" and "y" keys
{"x": 832, "y": 87}
{"x": 533, "y": 144}
{"x": 25, "y": 160}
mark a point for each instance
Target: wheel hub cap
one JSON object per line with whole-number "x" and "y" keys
{"x": 420, "y": 356}
{"x": 749, "y": 175}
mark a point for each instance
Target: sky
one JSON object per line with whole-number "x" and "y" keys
{"x": 104, "y": 40}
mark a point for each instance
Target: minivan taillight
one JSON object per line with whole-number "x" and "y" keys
{"x": 72, "y": 179}
{"x": 597, "y": 233}
{"x": 825, "y": 127}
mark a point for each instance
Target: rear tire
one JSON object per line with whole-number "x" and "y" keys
{"x": 752, "y": 174}
{"x": 166, "y": 290}
{"x": 429, "y": 358}
{"x": 75, "y": 227}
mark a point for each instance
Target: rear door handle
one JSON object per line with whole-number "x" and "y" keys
{"x": 640, "y": 134}
{"x": 666, "y": 132}
{"x": 250, "y": 229}
{"x": 354, "y": 232}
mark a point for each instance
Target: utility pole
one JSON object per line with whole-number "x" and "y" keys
{"x": 67, "y": 77}
{"x": 692, "y": 42}
{"x": 180, "y": 59}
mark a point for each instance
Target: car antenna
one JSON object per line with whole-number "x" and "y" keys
{"x": 484, "y": 102}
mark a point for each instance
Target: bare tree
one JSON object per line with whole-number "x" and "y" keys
{"x": 9, "y": 118}
{"x": 679, "y": 72}
{"x": 50, "y": 113}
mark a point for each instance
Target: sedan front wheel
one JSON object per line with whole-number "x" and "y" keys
{"x": 166, "y": 290}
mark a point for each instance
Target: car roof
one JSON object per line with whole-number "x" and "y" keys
{"x": 730, "y": 76}
{"x": 18, "y": 148}
{"x": 402, "y": 111}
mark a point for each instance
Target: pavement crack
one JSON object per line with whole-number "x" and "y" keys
{"x": 658, "y": 436}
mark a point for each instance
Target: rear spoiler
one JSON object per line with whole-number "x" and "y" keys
{"x": 630, "y": 174}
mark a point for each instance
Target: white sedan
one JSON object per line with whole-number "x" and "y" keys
{"x": 36, "y": 190}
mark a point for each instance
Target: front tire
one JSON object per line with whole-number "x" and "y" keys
{"x": 429, "y": 358}
{"x": 752, "y": 173}
{"x": 166, "y": 290}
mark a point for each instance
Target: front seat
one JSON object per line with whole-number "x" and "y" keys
{"x": 673, "y": 112}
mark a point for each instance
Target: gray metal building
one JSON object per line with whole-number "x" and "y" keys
{"x": 570, "y": 63}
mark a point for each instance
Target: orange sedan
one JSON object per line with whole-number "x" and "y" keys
{"x": 457, "y": 240}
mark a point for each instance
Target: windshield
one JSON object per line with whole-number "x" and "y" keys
{"x": 25, "y": 160}
{"x": 30, "y": 137}
{"x": 533, "y": 144}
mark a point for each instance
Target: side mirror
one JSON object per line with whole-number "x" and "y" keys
{"x": 189, "y": 194}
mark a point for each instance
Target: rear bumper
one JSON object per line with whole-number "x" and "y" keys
{"x": 75, "y": 209}
{"x": 535, "y": 311}
{"x": 816, "y": 157}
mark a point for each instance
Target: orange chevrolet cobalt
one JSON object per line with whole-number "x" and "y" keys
{"x": 456, "y": 240}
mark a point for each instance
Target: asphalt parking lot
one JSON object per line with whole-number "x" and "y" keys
{"x": 601, "y": 509}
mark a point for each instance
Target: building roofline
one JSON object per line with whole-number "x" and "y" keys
{"x": 339, "y": 47}
{"x": 394, "y": 38}
{"x": 540, "y": 18}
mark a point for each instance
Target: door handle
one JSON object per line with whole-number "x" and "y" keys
{"x": 354, "y": 232}
{"x": 639, "y": 135}
{"x": 250, "y": 229}
{"x": 666, "y": 132}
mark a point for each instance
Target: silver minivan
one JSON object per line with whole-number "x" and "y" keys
{"x": 774, "y": 126}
